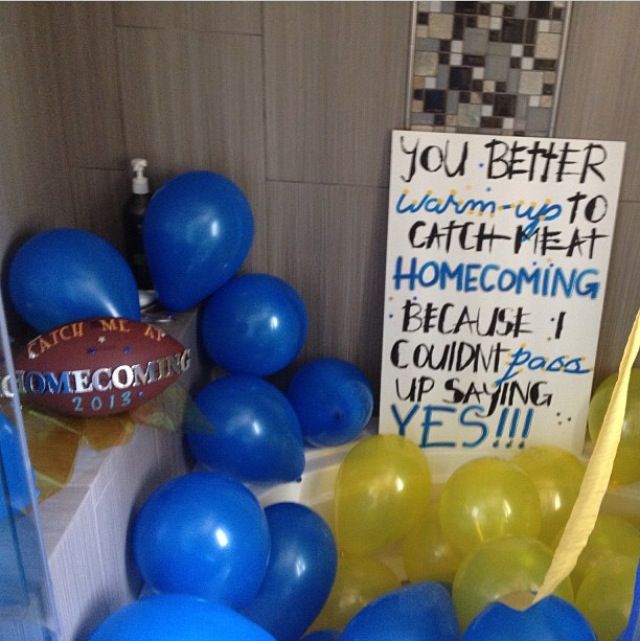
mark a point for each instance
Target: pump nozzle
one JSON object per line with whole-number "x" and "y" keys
{"x": 140, "y": 183}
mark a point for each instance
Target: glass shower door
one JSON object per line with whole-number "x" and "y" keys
{"x": 26, "y": 606}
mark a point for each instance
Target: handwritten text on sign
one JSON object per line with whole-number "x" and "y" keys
{"x": 497, "y": 258}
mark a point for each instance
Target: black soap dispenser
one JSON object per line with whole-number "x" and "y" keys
{"x": 134, "y": 211}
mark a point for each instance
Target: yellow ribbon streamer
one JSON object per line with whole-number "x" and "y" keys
{"x": 597, "y": 476}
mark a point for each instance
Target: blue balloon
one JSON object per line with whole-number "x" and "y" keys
{"x": 13, "y": 471}
{"x": 177, "y": 617}
{"x": 254, "y": 434}
{"x": 64, "y": 275}
{"x": 551, "y": 619}
{"x": 323, "y": 635}
{"x": 198, "y": 230}
{"x": 333, "y": 400}
{"x": 255, "y": 324}
{"x": 203, "y": 534}
{"x": 418, "y": 612}
{"x": 300, "y": 574}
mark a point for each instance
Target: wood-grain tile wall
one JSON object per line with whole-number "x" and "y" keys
{"x": 336, "y": 78}
{"x": 334, "y": 237}
{"x": 85, "y": 51}
{"x": 294, "y": 101}
{"x": 162, "y": 99}
{"x": 224, "y": 17}
{"x": 598, "y": 99}
{"x": 34, "y": 183}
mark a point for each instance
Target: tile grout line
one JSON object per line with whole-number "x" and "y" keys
{"x": 186, "y": 30}
{"x": 119, "y": 92}
{"x": 412, "y": 51}
{"x": 324, "y": 184}
{"x": 561, "y": 60}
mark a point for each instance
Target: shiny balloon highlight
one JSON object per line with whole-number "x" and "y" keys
{"x": 488, "y": 498}
{"x": 557, "y": 476}
{"x": 255, "y": 324}
{"x": 198, "y": 230}
{"x": 382, "y": 487}
{"x": 251, "y": 431}
{"x": 65, "y": 275}
{"x": 300, "y": 574}
{"x": 203, "y": 534}
{"x": 426, "y": 552}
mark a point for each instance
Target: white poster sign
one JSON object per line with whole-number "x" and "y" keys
{"x": 497, "y": 258}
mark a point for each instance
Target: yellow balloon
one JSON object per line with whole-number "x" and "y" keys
{"x": 611, "y": 537}
{"x": 485, "y": 499}
{"x": 383, "y": 485}
{"x": 498, "y": 568}
{"x": 606, "y": 595}
{"x": 427, "y": 555}
{"x": 626, "y": 467}
{"x": 359, "y": 580}
{"x": 557, "y": 475}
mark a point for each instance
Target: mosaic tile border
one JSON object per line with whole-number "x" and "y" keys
{"x": 487, "y": 67}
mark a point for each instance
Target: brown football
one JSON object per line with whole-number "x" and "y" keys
{"x": 99, "y": 366}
